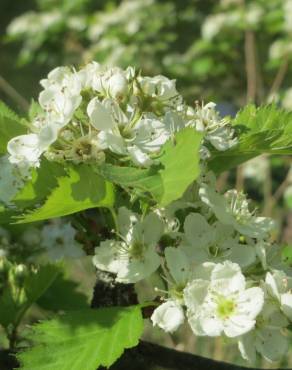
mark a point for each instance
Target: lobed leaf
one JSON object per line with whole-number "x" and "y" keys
{"x": 265, "y": 129}
{"x": 84, "y": 339}
{"x": 179, "y": 168}
{"x": 80, "y": 189}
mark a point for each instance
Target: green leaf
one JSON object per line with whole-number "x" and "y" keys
{"x": 287, "y": 255}
{"x": 181, "y": 165}
{"x": 179, "y": 168}
{"x": 20, "y": 292}
{"x": 10, "y": 126}
{"x": 83, "y": 339}
{"x": 80, "y": 189}
{"x": 44, "y": 180}
{"x": 265, "y": 129}
{"x": 63, "y": 295}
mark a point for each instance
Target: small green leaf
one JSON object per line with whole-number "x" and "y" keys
{"x": 83, "y": 340}
{"x": 265, "y": 129}
{"x": 81, "y": 189}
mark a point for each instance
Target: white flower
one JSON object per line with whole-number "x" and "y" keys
{"x": 205, "y": 242}
{"x": 268, "y": 337}
{"x": 217, "y": 131}
{"x": 87, "y": 74}
{"x": 61, "y": 96}
{"x": 109, "y": 119}
{"x": 232, "y": 209}
{"x": 279, "y": 286}
{"x": 134, "y": 257}
{"x": 159, "y": 87}
{"x": 149, "y": 134}
{"x": 58, "y": 239}
{"x": 111, "y": 83}
{"x": 168, "y": 316}
{"x": 222, "y": 304}
{"x": 25, "y": 150}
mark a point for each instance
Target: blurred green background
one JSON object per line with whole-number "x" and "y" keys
{"x": 228, "y": 51}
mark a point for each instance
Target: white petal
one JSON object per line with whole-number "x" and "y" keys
{"x": 168, "y": 316}
{"x": 100, "y": 116}
{"x": 226, "y": 278}
{"x": 195, "y": 323}
{"x": 177, "y": 264}
{"x": 238, "y": 325}
{"x": 197, "y": 230}
{"x": 151, "y": 229}
{"x": 250, "y": 302}
{"x": 210, "y": 324}
{"x": 114, "y": 142}
{"x": 108, "y": 258}
{"x": 272, "y": 286}
{"x": 126, "y": 219}
{"x": 138, "y": 269}
{"x": 286, "y": 304}
{"x": 24, "y": 148}
{"x": 117, "y": 85}
{"x": 244, "y": 255}
{"x": 138, "y": 157}
{"x": 271, "y": 344}
{"x": 195, "y": 294}
{"x": 246, "y": 346}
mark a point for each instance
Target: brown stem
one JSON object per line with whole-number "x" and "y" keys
{"x": 147, "y": 356}
{"x": 251, "y": 80}
{"x": 280, "y": 190}
{"x": 279, "y": 78}
{"x": 267, "y": 187}
{"x": 250, "y": 65}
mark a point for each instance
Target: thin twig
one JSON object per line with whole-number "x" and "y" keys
{"x": 250, "y": 65}
{"x": 13, "y": 94}
{"x": 280, "y": 190}
{"x": 251, "y": 86}
{"x": 279, "y": 78}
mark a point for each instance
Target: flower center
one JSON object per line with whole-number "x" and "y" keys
{"x": 177, "y": 292}
{"x": 136, "y": 250}
{"x": 226, "y": 307}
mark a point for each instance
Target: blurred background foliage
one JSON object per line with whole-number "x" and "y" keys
{"x": 228, "y": 51}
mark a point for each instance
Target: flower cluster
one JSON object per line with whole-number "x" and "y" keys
{"x": 223, "y": 273}
{"x": 98, "y": 114}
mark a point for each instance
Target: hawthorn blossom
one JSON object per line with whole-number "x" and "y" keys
{"x": 233, "y": 209}
{"x": 222, "y": 303}
{"x": 170, "y": 314}
{"x": 205, "y": 242}
{"x": 134, "y": 256}
{"x": 58, "y": 240}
